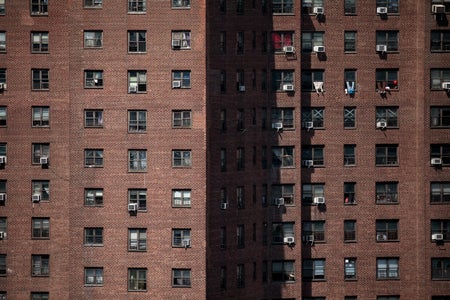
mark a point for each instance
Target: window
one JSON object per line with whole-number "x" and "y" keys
{"x": 285, "y": 191}
{"x": 442, "y": 227}
{"x": 137, "y": 82}
{"x": 93, "y": 39}
{"x": 223, "y": 277}
{"x": 181, "y": 39}
{"x": 181, "y": 79}
{"x": 93, "y": 3}
{"x": 388, "y": 38}
{"x": 240, "y": 159}
{"x": 3, "y": 225}
{"x": 350, "y": 268}
{"x": 223, "y": 159}
{"x": 440, "y": 268}
{"x": 137, "y": 160}
{"x": 387, "y": 230}
{"x": 440, "y": 40}
{"x": 440, "y": 192}
{"x": 39, "y": 296}
{"x": 439, "y": 116}
{"x": 282, "y": 6}
{"x": 314, "y": 115}
{"x": 2, "y": 12}
{"x": 181, "y": 158}
{"x": 349, "y": 155}
{"x": 40, "y": 228}
{"x": 137, "y": 5}
{"x": 284, "y": 116}
{"x": 2, "y": 294}
{"x": 386, "y": 155}
{"x": 181, "y": 198}
{"x": 93, "y": 118}
{"x": 312, "y": 80}
{"x": 280, "y": 230}
{"x": 137, "y": 41}
{"x": 3, "y": 268}
{"x": 350, "y": 7}
{"x": 138, "y": 196}
{"x": 240, "y": 276}
{"x": 2, "y": 149}
{"x": 39, "y": 42}
{"x": 240, "y": 6}
{"x": 223, "y": 81}
{"x": 349, "y": 117}
{"x": 441, "y": 151}
{"x": 314, "y": 229}
{"x": 349, "y": 193}
{"x": 181, "y": 3}
{"x": 308, "y": 5}
{"x": 3, "y": 116}
{"x": 181, "y": 277}
{"x": 40, "y": 150}
{"x": 349, "y": 230}
{"x": 349, "y": 39}
{"x": 40, "y": 116}
{"x": 350, "y": 298}
{"x": 438, "y": 76}
{"x": 438, "y": 298}
{"x": 388, "y": 298}
{"x": 386, "y": 80}
{"x": 240, "y": 80}
{"x": 93, "y": 236}
{"x": 314, "y": 153}
{"x": 3, "y": 191}
{"x": 223, "y": 42}
{"x": 281, "y": 39}
{"x": 41, "y": 188}
{"x": 283, "y": 157}
{"x": 283, "y": 271}
{"x": 181, "y": 238}
{"x": 3, "y": 76}
{"x": 240, "y": 120}
{"x": 387, "y": 268}
{"x": 388, "y": 115}
{"x": 40, "y": 79}
{"x": 93, "y": 158}
{"x": 137, "y": 120}
{"x": 310, "y": 191}
{"x": 386, "y": 192}
{"x": 93, "y": 276}
{"x": 392, "y": 5}
{"x": 350, "y": 81}
{"x": 137, "y": 239}
{"x": 40, "y": 265}
{"x": 240, "y": 42}
{"x": 93, "y": 79}
{"x": 39, "y": 7}
{"x": 223, "y": 237}
{"x": 313, "y": 269}
{"x": 137, "y": 279}
{"x": 223, "y": 120}
{"x": 240, "y": 197}
{"x": 280, "y": 78}
{"x": 2, "y": 39}
{"x": 312, "y": 39}
{"x": 181, "y": 119}
{"x": 93, "y": 197}
{"x": 240, "y": 235}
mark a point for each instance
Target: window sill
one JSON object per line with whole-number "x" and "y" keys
{"x": 283, "y": 14}
{"x": 350, "y": 241}
{"x": 350, "y": 279}
{"x": 93, "y": 285}
{"x": 93, "y": 245}
{"x": 137, "y": 12}
{"x": 92, "y": 166}
{"x": 350, "y": 52}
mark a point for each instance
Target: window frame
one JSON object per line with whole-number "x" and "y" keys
{"x": 39, "y": 295}
{"x": 181, "y": 118}
{"x": 41, "y": 187}
{"x": 40, "y": 79}
{"x": 439, "y": 116}
{"x": 137, "y": 161}
{"x": 40, "y": 265}
{"x": 93, "y": 4}
{"x": 137, "y": 121}
{"x": 315, "y": 115}
{"x": 444, "y": 40}
{"x": 350, "y": 270}
{"x": 282, "y": 77}
{"x": 285, "y": 191}
{"x": 93, "y": 197}
{"x": 350, "y": 193}
{"x": 350, "y": 41}
{"x": 97, "y": 276}
{"x": 280, "y": 39}
{"x": 93, "y": 236}
{"x": 440, "y": 268}
{"x": 316, "y": 153}
{"x": 388, "y": 114}
{"x": 93, "y": 158}
{"x": 349, "y": 117}
{"x": 283, "y": 157}
{"x": 139, "y": 197}
{"x": 137, "y": 279}
{"x": 392, "y": 5}
{"x": 316, "y": 229}
{"x": 181, "y": 199}
{"x": 280, "y": 230}
{"x": 137, "y": 6}
{"x": 137, "y": 82}
{"x": 349, "y": 7}
{"x": 387, "y": 230}
{"x": 349, "y": 231}
{"x": 181, "y": 278}
{"x": 93, "y": 118}
{"x": 40, "y": 116}
{"x": 184, "y": 37}
{"x": 182, "y": 158}
{"x": 441, "y": 151}
{"x": 390, "y": 38}
{"x": 284, "y": 115}
{"x": 137, "y": 41}
{"x": 386, "y": 155}
{"x": 383, "y": 192}
{"x": 181, "y": 4}
{"x": 441, "y": 226}
{"x": 39, "y": 42}
{"x": 283, "y": 271}
{"x": 442, "y": 189}
{"x": 310, "y": 191}
{"x": 39, "y": 8}
{"x": 93, "y": 79}
{"x": 40, "y": 228}
{"x": 39, "y": 150}
{"x": 310, "y": 39}
{"x": 3, "y": 116}
{"x": 311, "y": 76}
{"x": 391, "y": 269}
{"x": 94, "y": 42}
{"x": 179, "y": 235}
{"x": 314, "y": 269}
{"x": 2, "y": 38}
{"x": 137, "y": 239}
{"x": 437, "y": 77}
{"x": 184, "y": 78}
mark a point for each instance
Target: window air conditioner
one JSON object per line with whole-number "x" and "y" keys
{"x": 381, "y": 237}
{"x": 308, "y": 238}
{"x": 242, "y": 88}
{"x": 2, "y": 197}
{"x": 438, "y": 9}
{"x": 176, "y": 43}
{"x": 278, "y": 125}
{"x": 43, "y": 160}
{"x": 289, "y": 240}
{"x": 132, "y": 207}
{"x": 186, "y": 243}
{"x": 2, "y": 235}
{"x": 381, "y": 48}
{"x": 288, "y": 87}
{"x": 223, "y": 205}
{"x": 382, "y": 10}
{"x": 437, "y": 236}
{"x": 133, "y": 89}
{"x": 176, "y": 84}
{"x": 381, "y": 125}
{"x": 2, "y": 160}
{"x": 288, "y": 49}
{"x": 319, "y": 49}
{"x": 278, "y": 201}
{"x": 446, "y": 85}
{"x": 309, "y": 125}
{"x": 319, "y": 200}
{"x": 308, "y": 163}
{"x": 2, "y": 86}
{"x": 318, "y": 10}
{"x": 436, "y": 161}
{"x": 36, "y": 198}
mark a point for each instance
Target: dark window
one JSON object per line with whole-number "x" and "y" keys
{"x": 386, "y": 155}
{"x": 313, "y": 269}
{"x": 40, "y": 228}
{"x": 386, "y": 192}
{"x": 137, "y": 41}
{"x": 386, "y": 230}
{"x": 387, "y": 268}
{"x": 441, "y": 151}
{"x": 440, "y": 192}
{"x": 349, "y": 230}
{"x": 93, "y": 236}
{"x": 283, "y": 271}
{"x": 40, "y": 79}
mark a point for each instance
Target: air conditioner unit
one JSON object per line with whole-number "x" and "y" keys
{"x": 381, "y": 48}
{"x": 382, "y": 10}
{"x": 132, "y": 207}
{"x": 318, "y": 10}
{"x": 289, "y": 240}
{"x": 319, "y": 200}
{"x": 289, "y": 49}
{"x": 309, "y": 125}
{"x": 186, "y": 243}
{"x": 36, "y": 198}
{"x": 2, "y": 197}
{"x": 2, "y": 160}
{"x": 288, "y": 87}
{"x": 43, "y": 160}
{"x": 436, "y": 161}
{"x": 446, "y": 85}
{"x": 438, "y": 9}
{"x": 133, "y": 89}
{"x": 319, "y": 49}
{"x": 223, "y": 205}
{"x": 278, "y": 201}
{"x": 381, "y": 237}
{"x": 2, "y": 235}
{"x": 277, "y": 125}
{"x": 176, "y": 43}
{"x": 242, "y": 88}
{"x": 308, "y": 238}
{"x": 308, "y": 163}
{"x": 437, "y": 237}
{"x": 381, "y": 125}
{"x": 176, "y": 84}
{"x": 2, "y": 86}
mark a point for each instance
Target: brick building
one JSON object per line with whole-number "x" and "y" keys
{"x": 177, "y": 149}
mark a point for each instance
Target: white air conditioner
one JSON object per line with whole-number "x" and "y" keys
{"x": 437, "y": 237}
{"x": 186, "y": 243}
{"x": 319, "y": 200}
{"x": 438, "y": 9}
{"x": 278, "y": 201}
{"x": 36, "y": 198}
{"x": 223, "y": 205}
{"x": 277, "y": 125}
{"x": 446, "y": 85}
{"x": 43, "y": 160}
{"x": 381, "y": 125}
{"x": 436, "y": 161}
{"x": 381, "y": 237}
{"x": 2, "y": 235}
{"x": 308, "y": 238}
{"x": 176, "y": 84}
{"x": 382, "y": 10}
{"x": 242, "y": 88}
{"x": 318, "y": 10}
{"x": 2, "y": 196}
{"x": 319, "y": 49}
{"x": 132, "y": 89}
{"x": 289, "y": 49}
{"x": 176, "y": 43}
{"x": 288, "y": 87}
{"x": 309, "y": 125}
{"x": 2, "y": 160}
{"x": 132, "y": 207}
{"x": 2, "y": 86}
{"x": 381, "y": 48}
{"x": 289, "y": 240}
{"x": 308, "y": 163}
